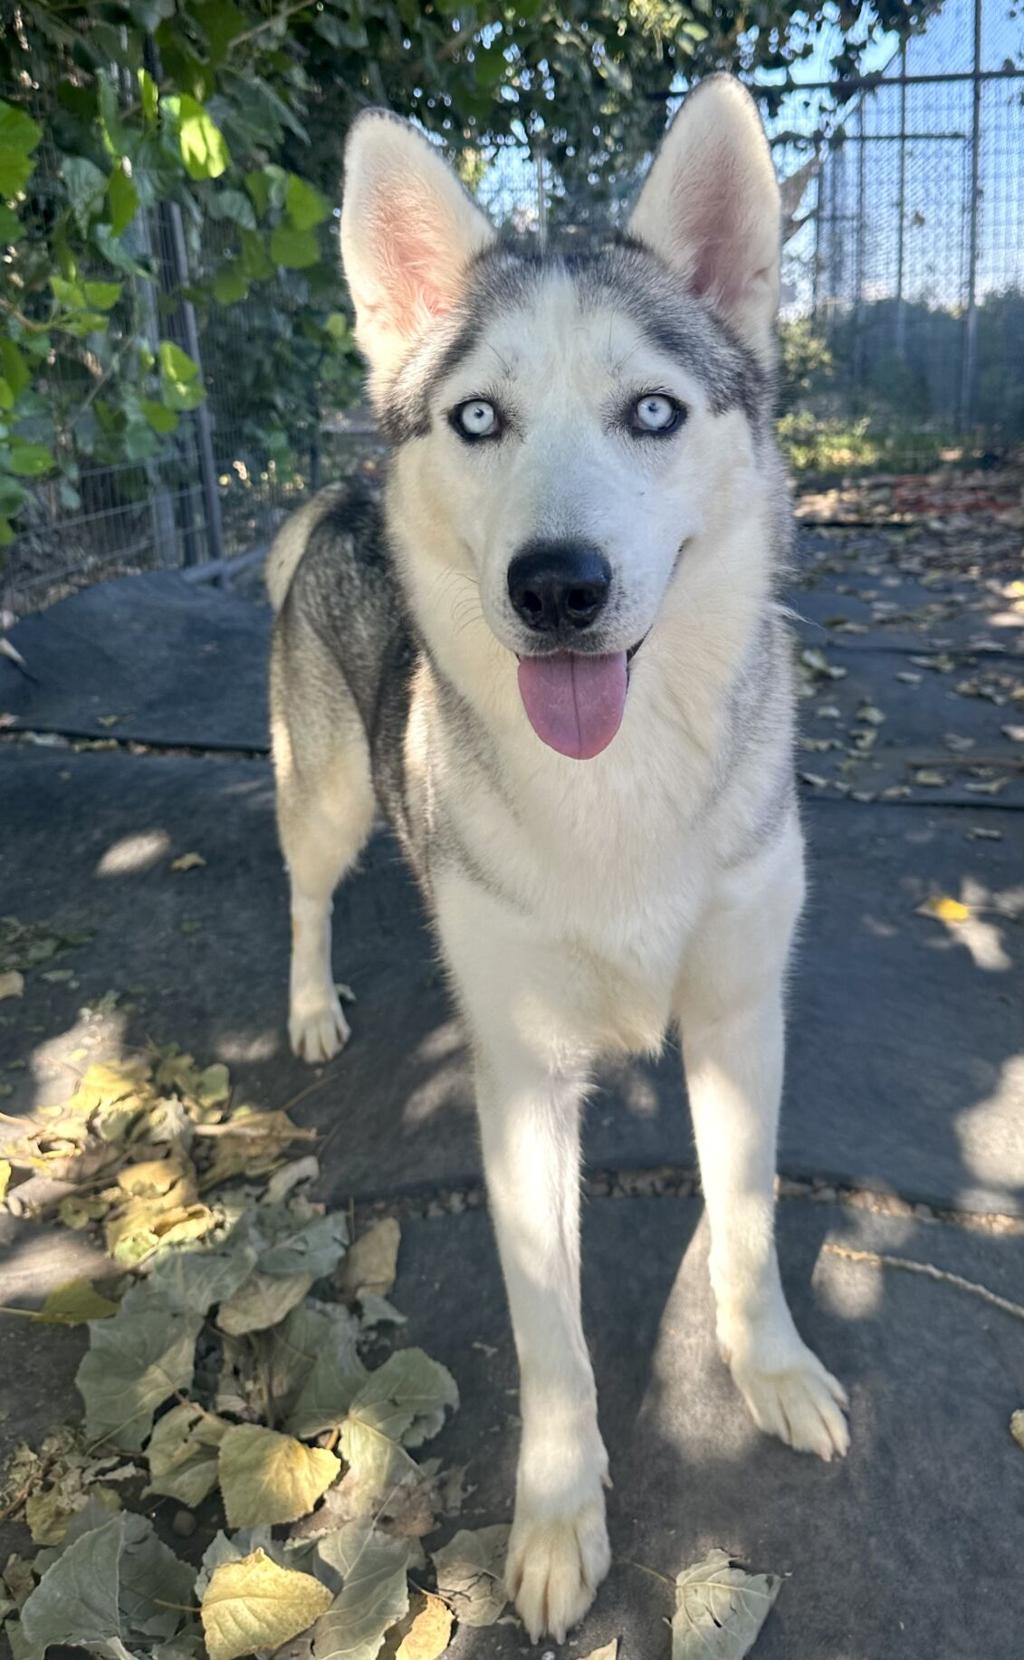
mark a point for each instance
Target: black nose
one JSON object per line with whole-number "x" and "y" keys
{"x": 558, "y": 586}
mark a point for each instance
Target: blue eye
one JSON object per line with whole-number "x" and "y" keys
{"x": 657, "y": 413}
{"x": 476, "y": 418}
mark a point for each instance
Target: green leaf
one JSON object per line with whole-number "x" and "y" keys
{"x": 10, "y": 226}
{"x": 234, "y": 205}
{"x": 230, "y": 284}
{"x": 154, "y": 1587}
{"x": 6, "y": 394}
{"x": 182, "y": 1454}
{"x": 19, "y": 135}
{"x": 160, "y": 419}
{"x": 135, "y": 1362}
{"x": 123, "y": 200}
{"x": 221, "y": 21}
{"x": 202, "y": 144}
{"x": 471, "y": 1574}
{"x": 192, "y": 1281}
{"x": 304, "y": 204}
{"x": 76, "y": 1601}
{"x": 406, "y": 1398}
{"x": 253, "y": 1605}
{"x": 86, "y": 187}
{"x": 15, "y": 370}
{"x": 262, "y": 1301}
{"x": 315, "y": 1247}
{"x": 18, "y": 131}
{"x": 180, "y": 386}
{"x": 720, "y": 1609}
{"x": 74, "y": 1304}
{"x": 102, "y": 296}
{"x": 267, "y": 1477}
{"x": 148, "y": 95}
{"x": 329, "y": 1366}
{"x": 374, "y": 1595}
{"x": 29, "y": 460}
{"x": 337, "y": 326}
{"x": 293, "y": 249}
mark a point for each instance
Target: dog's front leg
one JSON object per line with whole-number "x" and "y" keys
{"x": 558, "y": 1552}
{"x": 731, "y": 1009}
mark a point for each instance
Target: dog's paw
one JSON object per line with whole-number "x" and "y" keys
{"x": 801, "y": 1403}
{"x": 555, "y": 1566}
{"x": 317, "y": 1030}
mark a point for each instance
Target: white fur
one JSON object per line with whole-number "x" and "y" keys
{"x": 626, "y": 894}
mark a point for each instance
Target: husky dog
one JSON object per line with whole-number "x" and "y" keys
{"x": 554, "y": 658}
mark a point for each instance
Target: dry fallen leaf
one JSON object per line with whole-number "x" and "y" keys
{"x": 372, "y": 1262}
{"x": 471, "y": 1574}
{"x": 610, "y": 1651}
{"x": 188, "y": 861}
{"x": 255, "y": 1605}
{"x": 12, "y": 984}
{"x": 267, "y": 1477}
{"x": 430, "y": 1630}
{"x": 944, "y": 909}
{"x": 720, "y": 1609}
{"x": 1017, "y": 1426}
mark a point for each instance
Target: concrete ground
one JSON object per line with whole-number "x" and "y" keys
{"x": 142, "y": 737}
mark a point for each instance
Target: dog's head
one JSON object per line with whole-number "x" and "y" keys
{"x": 568, "y": 423}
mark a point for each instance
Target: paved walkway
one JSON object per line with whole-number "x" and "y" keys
{"x": 904, "y": 1117}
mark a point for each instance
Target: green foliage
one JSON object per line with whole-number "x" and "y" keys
{"x": 232, "y": 113}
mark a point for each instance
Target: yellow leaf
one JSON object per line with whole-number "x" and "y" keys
{"x": 372, "y": 1261}
{"x": 12, "y": 984}
{"x": 267, "y": 1477}
{"x": 77, "y": 1213}
{"x": 430, "y": 1631}
{"x": 74, "y": 1303}
{"x": 188, "y": 861}
{"x": 944, "y": 909}
{"x": 255, "y": 1605}
{"x": 5, "y": 1178}
{"x": 155, "y": 1177}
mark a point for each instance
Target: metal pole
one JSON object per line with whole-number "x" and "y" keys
{"x": 542, "y": 197}
{"x": 900, "y": 340}
{"x": 970, "y": 348}
{"x": 819, "y": 208}
{"x": 858, "y": 345}
{"x": 201, "y": 414}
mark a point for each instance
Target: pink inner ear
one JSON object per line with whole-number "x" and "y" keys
{"x": 712, "y": 222}
{"x": 419, "y": 272}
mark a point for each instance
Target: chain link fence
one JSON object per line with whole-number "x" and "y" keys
{"x": 903, "y": 316}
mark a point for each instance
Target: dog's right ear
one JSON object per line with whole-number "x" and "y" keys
{"x": 408, "y": 232}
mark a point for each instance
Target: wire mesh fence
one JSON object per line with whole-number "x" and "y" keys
{"x": 903, "y": 316}
{"x": 917, "y": 270}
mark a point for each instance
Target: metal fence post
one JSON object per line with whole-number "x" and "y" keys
{"x": 858, "y": 344}
{"x": 970, "y": 337}
{"x": 201, "y": 414}
{"x": 900, "y": 331}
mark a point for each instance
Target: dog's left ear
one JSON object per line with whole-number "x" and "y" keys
{"x": 408, "y": 232}
{"x": 710, "y": 207}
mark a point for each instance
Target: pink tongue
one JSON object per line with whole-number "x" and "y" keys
{"x": 574, "y": 704}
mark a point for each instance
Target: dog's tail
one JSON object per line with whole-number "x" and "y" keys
{"x": 291, "y": 541}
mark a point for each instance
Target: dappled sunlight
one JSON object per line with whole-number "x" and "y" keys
{"x": 57, "y": 1063}
{"x": 41, "y": 1261}
{"x": 991, "y": 1138}
{"x": 239, "y": 1047}
{"x": 134, "y": 853}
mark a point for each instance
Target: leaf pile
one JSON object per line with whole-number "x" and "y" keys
{"x": 141, "y": 1143}
{"x": 220, "y": 1372}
